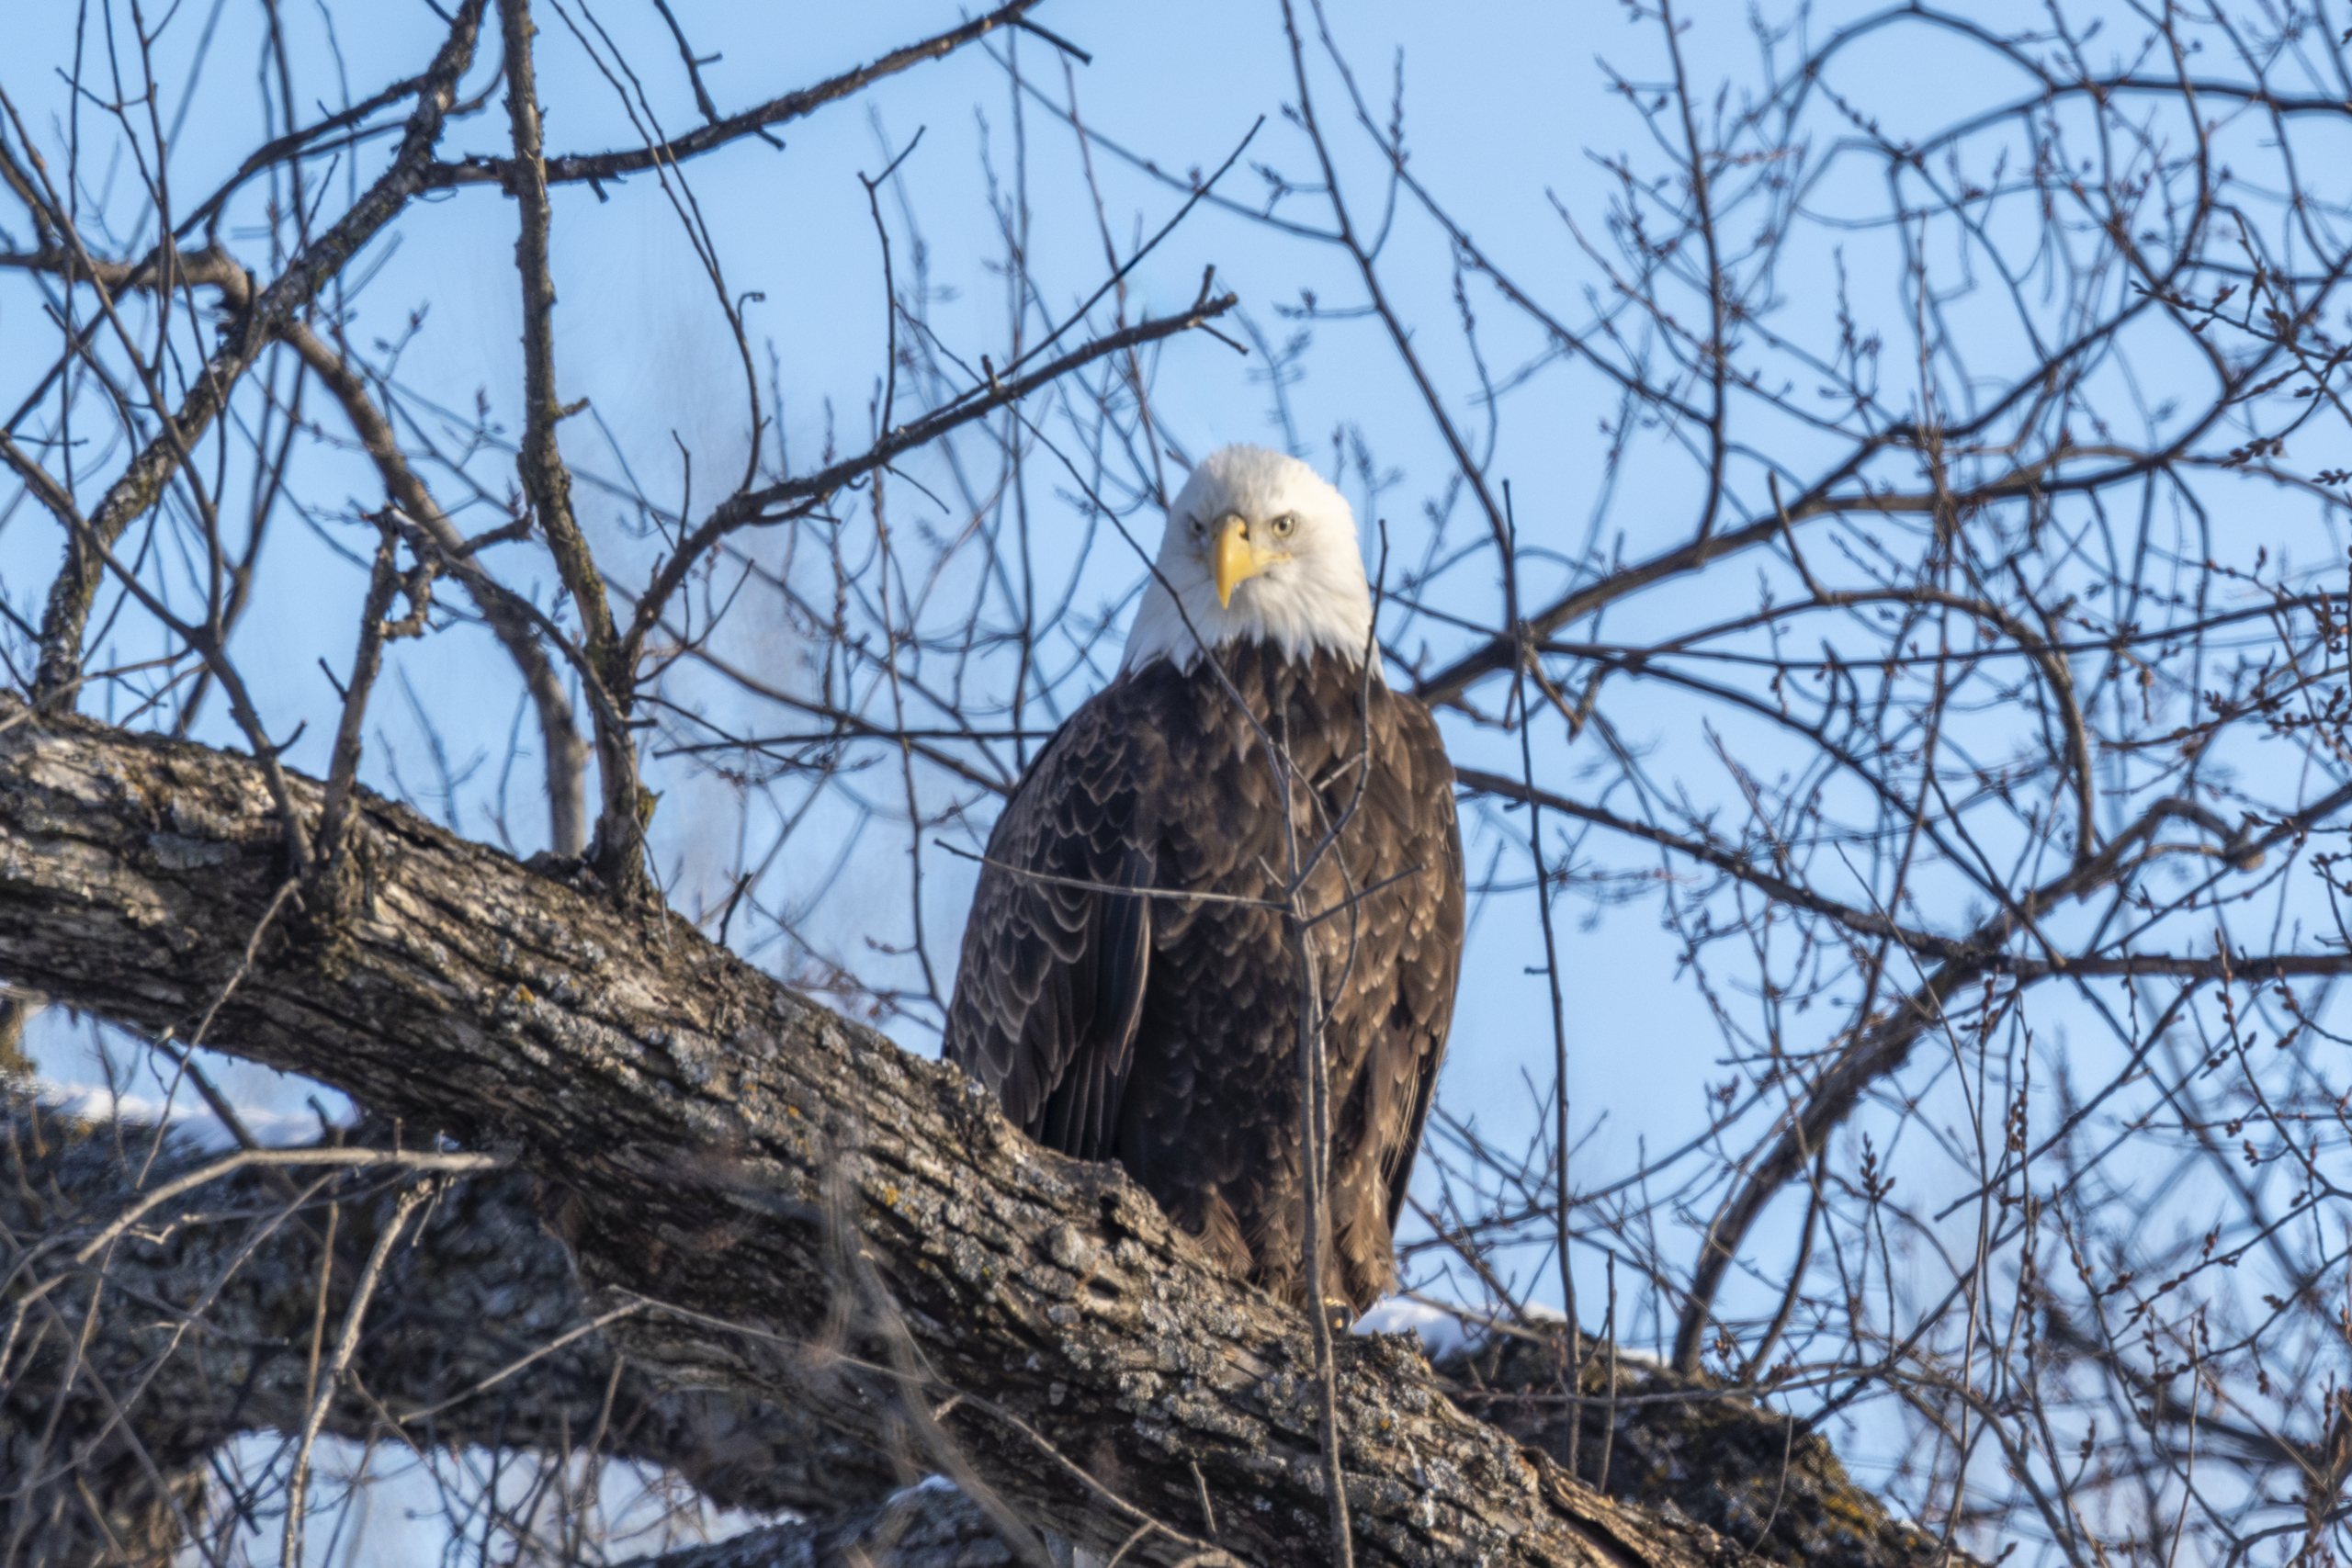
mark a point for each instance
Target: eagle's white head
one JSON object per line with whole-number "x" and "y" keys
{"x": 1258, "y": 547}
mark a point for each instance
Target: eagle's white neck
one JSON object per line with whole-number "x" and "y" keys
{"x": 1313, "y": 619}
{"x": 1314, "y": 600}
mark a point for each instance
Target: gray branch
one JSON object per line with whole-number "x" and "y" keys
{"x": 807, "y": 1217}
{"x": 203, "y": 1332}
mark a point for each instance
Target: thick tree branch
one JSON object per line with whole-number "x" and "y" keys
{"x": 202, "y": 1332}
{"x": 480, "y": 1337}
{"x": 784, "y": 1193}
{"x": 923, "y": 1527}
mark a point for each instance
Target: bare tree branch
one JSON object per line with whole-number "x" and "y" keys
{"x": 725, "y": 1103}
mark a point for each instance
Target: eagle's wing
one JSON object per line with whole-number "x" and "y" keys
{"x": 1413, "y": 806}
{"x": 1052, "y": 980}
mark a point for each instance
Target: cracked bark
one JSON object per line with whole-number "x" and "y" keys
{"x": 486, "y": 1292}
{"x": 758, "y": 1174}
{"x": 483, "y": 1286}
{"x": 925, "y": 1527}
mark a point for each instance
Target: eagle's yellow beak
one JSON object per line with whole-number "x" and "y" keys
{"x": 1237, "y": 557}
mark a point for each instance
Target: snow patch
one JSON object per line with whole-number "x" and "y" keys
{"x": 191, "y": 1119}
{"x": 1446, "y": 1328}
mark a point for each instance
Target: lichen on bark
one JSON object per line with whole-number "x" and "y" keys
{"x": 800, "y": 1213}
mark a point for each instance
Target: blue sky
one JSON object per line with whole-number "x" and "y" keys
{"x": 1506, "y": 115}
{"x": 639, "y": 338}
{"x": 1509, "y": 115}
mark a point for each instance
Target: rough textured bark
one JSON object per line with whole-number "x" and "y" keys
{"x": 482, "y": 1286}
{"x": 486, "y": 1292}
{"x": 809, "y": 1215}
{"x": 1764, "y": 1480}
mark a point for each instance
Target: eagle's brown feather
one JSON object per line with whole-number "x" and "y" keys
{"x": 1162, "y": 1033}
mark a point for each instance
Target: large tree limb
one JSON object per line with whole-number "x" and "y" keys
{"x": 480, "y": 1337}
{"x": 203, "y": 1330}
{"x": 925, "y": 1527}
{"x": 806, "y": 1214}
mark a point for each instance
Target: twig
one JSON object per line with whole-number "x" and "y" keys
{"x": 354, "y": 1317}
{"x": 357, "y": 1159}
{"x": 578, "y": 1331}
{"x": 593, "y": 167}
{"x": 548, "y": 482}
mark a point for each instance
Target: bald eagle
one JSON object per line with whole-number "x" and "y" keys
{"x": 1161, "y": 1031}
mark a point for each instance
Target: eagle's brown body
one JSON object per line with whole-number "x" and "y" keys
{"x": 1163, "y": 1033}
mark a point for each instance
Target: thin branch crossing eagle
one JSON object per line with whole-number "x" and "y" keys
{"x": 1115, "y": 1019}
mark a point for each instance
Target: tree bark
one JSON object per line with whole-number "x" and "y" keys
{"x": 803, "y": 1214}
{"x": 479, "y": 1336}
{"x": 204, "y": 1327}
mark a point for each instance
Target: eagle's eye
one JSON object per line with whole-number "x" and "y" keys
{"x": 1285, "y": 525}
{"x": 1200, "y": 527}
